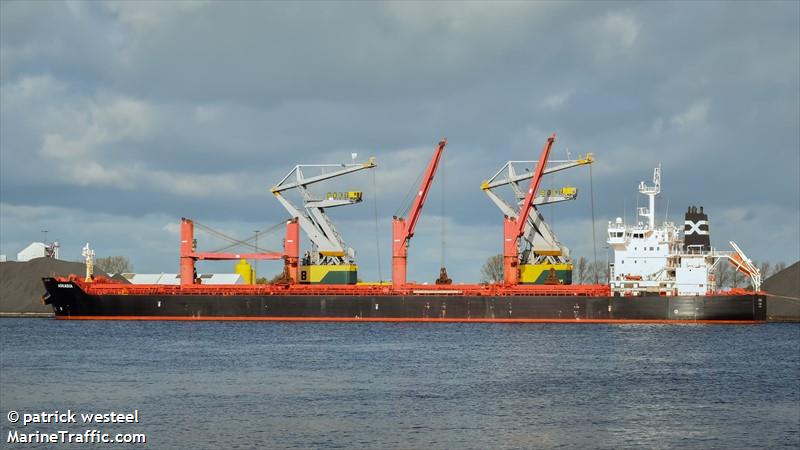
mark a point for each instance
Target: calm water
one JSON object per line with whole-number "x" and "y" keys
{"x": 360, "y": 385}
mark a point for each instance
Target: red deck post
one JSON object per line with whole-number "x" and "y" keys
{"x": 510, "y": 252}
{"x": 399, "y": 252}
{"x": 291, "y": 248}
{"x": 187, "y": 259}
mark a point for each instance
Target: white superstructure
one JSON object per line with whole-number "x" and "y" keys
{"x": 650, "y": 259}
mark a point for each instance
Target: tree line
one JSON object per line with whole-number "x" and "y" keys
{"x": 583, "y": 272}
{"x": 729, "y": 277}
{"x": 114, "y": 264}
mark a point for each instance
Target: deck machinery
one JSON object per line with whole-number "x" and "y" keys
{"x": 536, "y": 256}
{"x": 539, "y": 258}
{"x": 403, "y": 229}
{"x": 329, "y": 261}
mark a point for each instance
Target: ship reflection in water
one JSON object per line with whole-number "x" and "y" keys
{"x": 414, "y": 385}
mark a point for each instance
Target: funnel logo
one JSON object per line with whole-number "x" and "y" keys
{"x": 694, "y": 227}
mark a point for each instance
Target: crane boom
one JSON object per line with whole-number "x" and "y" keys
{"x": 402, "y": 229}
{"x": 495, "y": 181}
{"x": 536, "y": 181}
{"x": 301, "y": 181}
{"x": 424, "y": 187}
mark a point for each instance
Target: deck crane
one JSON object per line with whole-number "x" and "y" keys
{"x": 531, "y": 249}
{"x": 541, "y": 248}
{"x": 403, "y": 229}
{"x": 329, "y": 261}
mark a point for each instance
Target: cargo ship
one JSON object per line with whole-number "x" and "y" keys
{"x": 659, "y": 274}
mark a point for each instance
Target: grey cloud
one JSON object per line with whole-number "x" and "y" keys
{"x": 195, "y": 109}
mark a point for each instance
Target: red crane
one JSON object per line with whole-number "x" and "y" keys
{"x": 402, "y": 229}
{"x": 514, "y": 228}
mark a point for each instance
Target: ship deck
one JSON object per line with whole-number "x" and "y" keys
{"x": 106, "y": 287}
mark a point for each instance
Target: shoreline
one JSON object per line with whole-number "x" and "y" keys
{"x": 34, "y": 315}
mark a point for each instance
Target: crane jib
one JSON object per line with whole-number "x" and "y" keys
{"x": 534, "y": 186}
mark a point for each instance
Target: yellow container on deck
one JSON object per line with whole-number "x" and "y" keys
{"x": 244, "y": 269}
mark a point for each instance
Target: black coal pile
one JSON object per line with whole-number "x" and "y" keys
{"x": 21, "y": 286}
{"x": 783, "y": 289}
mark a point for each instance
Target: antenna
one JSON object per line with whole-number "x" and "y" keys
{"x": 88, "y": 253}
{"x": 651, "y": 192}
{"x": 624, "y": 210}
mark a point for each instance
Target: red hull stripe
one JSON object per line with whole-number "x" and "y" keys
{"x": 408, "y": 319}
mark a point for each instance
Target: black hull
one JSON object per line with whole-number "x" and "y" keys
{"x": 69, "y": 301}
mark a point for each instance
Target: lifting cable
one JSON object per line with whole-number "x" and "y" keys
{"x": 254, "y": 238}
{"x": 405, "y": 205}
{"x": 594, "y": 238}
{"x": 444, "y": 182}
{"x": 236, "y": 242}
{"x": 377, "y": 233}
{"x": 552, "y": 210}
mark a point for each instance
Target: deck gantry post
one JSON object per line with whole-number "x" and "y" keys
{"x": 291, "y": 248}
{"x": 187, "y": 248}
